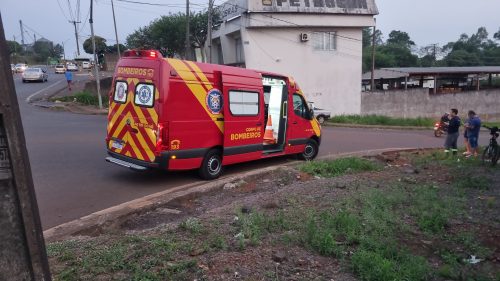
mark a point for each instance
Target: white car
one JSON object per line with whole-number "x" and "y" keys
{"x": 35, "y": 74}
{"x": 12, "y": 68}
{"x": 21, "y": 67}
{"x": 72, "y": 67}
{"x": 85, "y": 65}
{"x": 60, "y": 68}
{"x": 320, "y": 114}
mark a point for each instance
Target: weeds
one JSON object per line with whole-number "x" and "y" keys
{"x": 86, "y": 98}
{"x": 382, "y": 120}
{"x": 338, "y": 167}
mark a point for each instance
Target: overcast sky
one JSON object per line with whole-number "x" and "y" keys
{"x": 427, "y": 21}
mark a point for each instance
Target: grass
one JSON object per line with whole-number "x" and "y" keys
{"x": 85, "y": 98}
{"x": 382, "y": 120}
{"x": 377, "y": 233}
{"x": 338, "y": 167}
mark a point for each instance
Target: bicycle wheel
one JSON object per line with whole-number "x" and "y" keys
{"x": 486, "y": 158}
{"x": 496, "y": 155}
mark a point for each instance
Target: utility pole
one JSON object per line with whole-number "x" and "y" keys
{"x": 22, "y": 32}
{"x": 374, "y": 40}
{"x": 64, "y": 51}
{"x": 76, "y": 35}
{"x": 209, "y": 30}
{"x": 96, "y": 63}
{"x": 23, "y": 255}
{"x": 188, "y": 42}
{"x": 116, "y": 32}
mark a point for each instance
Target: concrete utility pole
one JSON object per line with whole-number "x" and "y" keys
{"x": 188, "y": 42}
{"x": 22, "y": 32}
{"x": 76, "y": 36}
{"x": 116, "y": 32}
{"x": 374, "y": 40}
{"x": 96, "y": 63}
{"x": 23, "y": 255}
{"x": 209, "y": 30}
{"x": 64, "y": 51}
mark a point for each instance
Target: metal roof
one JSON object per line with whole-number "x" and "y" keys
{"x": 446, "y": 70}
{"x": 385, "y": 74}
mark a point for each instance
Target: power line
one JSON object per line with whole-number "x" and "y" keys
{"x": 62, "y": 10}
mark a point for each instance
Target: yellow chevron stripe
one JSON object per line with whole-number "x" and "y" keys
{"x": 134, "y": 146}
{"x": 150, "y": 133}
{"x": 200, "y": 74}
{"x": 196, "y": 88}
{"x": 145, "y": 147}
{"x": 120, "y": 126}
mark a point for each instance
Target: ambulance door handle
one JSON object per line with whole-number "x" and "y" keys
{"x": 258, "y": 124}
{"x": 295, "y": 122}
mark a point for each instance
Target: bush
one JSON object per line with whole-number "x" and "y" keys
{"x": 382, "y": 120}
{"x": 338, "y": 167}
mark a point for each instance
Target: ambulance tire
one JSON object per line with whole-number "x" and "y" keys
{"x": 211, "y": 167}
{"x": 310, "y": 151}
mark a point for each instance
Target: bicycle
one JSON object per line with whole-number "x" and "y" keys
{"x": 492, "y": 151}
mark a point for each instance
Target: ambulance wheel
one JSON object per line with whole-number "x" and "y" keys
{"x": 310, "y": 150}
{"x": 211, "y": 167}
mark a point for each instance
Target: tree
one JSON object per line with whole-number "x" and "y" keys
{"x": 400, "y": 38}
{"x": 100, "y": 45}
{"x": 114, "y": 49}
{"x": 473, "y": 50}
{"x": 43, "y": 50}
{"x": 58, "y": 51}
{"x": 14, "y": 47}
{"x": 168, "y": 33}
{"x": 497, "y": 35}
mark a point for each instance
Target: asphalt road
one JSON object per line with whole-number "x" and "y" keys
{"x": 72, "y": 179}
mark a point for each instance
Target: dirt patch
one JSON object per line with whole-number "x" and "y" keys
{"x": 414, "y": 216}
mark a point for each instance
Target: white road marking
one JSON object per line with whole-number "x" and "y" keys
{"x": 28, "y": 99}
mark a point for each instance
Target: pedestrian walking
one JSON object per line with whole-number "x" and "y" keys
{"x": 69, "y": 78}
{"x": 453, "y": 132}
{"x": 473, "y": 127}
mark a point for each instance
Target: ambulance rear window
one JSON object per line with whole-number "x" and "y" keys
{"x": 144, "y": 95}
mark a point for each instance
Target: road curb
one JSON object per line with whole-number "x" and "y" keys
{"x": 97, "y": 222}
{"x": 381, "y": 127}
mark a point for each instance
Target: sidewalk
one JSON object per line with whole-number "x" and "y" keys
{"x": 51, "y": 100}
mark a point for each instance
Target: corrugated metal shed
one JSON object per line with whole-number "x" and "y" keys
{"x": 446, "y": 70}
{"x": 385, "y": 74}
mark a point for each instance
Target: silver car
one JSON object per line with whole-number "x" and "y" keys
{"x": 35, "y": 74}
{"x": 21, "y": 67}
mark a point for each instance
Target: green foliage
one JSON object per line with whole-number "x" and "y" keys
{"x": 168, "y": 33}
{"x": 338, "y": 167}
{"x": 193, "y": 225}
{"x": 431, "y": 209}
{"x": 382, "y": 120}
{"x": 100, "y": 45}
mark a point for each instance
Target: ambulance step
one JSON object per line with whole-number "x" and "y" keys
{"x": 125, "y": 164}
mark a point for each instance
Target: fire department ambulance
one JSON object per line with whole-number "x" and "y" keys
{"x": 176, "y": 115}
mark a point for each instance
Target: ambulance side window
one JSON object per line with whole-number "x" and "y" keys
{"x": 121, "y": 92}
{"x": 299, "y": 106}
{"x": 244, "y": 103}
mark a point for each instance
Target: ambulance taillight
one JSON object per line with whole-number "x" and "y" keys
{"x": 143, "y": 54}
{"x": 161, "y": 136}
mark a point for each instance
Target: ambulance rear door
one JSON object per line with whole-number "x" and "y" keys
{"x": 243, "y": 118}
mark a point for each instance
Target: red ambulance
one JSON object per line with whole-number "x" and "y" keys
{"x": 177, "y": 115}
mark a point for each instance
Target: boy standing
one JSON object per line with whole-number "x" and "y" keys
{"x": 69, "y": 78}
{"x": 452, "y": 137}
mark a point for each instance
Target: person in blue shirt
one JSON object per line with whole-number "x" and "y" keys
{"x": 473, "y": 127}
{"x": 69, "y": 78}
{"x": 453, "y": 133}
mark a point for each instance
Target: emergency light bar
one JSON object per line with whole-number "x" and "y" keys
{"x": 143, "y": 53}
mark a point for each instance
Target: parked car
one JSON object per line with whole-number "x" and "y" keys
{"x": 72, "y": 67}
{"x": 321, "y": 114}
{"x": 35, "y": 74}
{"x": 85, "y": 65}
{"x": 60, "y": 68}
{"x": 21, "y": 67}
{"x": 12, "y": 68}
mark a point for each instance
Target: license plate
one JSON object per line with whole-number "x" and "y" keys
{"x": 117, "y": 145}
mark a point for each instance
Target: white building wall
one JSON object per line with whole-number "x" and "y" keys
{"x": 331, "y": 79}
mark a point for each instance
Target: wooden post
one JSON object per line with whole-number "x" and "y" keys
{"x": 374, "y": 40}
{"x": 478, "y": 83}
{"x": 435, "y": 84}
{"x": 406, "y": 83}
{"x": 23, "y": 255}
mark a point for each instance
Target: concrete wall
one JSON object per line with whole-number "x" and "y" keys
{"x": 419, "y": 103}
{"x": 331, "y": 79}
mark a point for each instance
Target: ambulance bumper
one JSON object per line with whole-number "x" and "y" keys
{"x": 136, "y": 165}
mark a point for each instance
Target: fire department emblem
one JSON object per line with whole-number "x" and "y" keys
{"x": 214, "y": 101}
{"x": 145, "y": 95}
